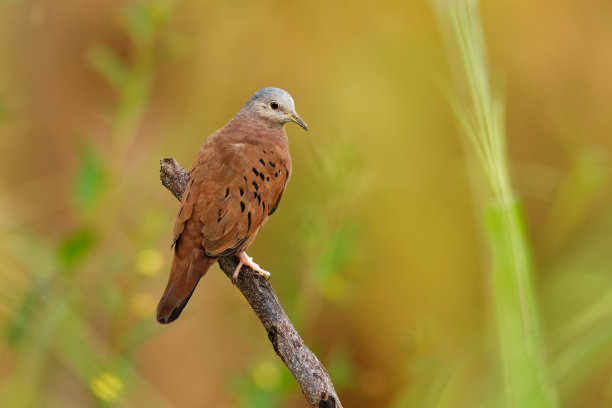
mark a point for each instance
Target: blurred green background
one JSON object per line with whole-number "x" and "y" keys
{"x": 378, "y": 250}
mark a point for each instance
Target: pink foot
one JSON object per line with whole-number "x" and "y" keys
{"x": 248, "y": 261}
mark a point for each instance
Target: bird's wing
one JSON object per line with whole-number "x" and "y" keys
{"x": 192, "y": 192}
{"x": 247, "y": 187}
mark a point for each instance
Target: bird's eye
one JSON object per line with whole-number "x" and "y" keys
{"x": 274, "y": 105}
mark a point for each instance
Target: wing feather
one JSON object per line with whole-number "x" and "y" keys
{"x": 246, "y": 188}
{"x": 232, "y": 190}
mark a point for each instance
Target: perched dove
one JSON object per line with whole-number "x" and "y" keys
{"x": 235, "y": 184}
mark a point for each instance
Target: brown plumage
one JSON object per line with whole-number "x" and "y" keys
{"x": 235, "y": 184}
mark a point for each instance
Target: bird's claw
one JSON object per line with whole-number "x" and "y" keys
{"x": 248, "y": 261}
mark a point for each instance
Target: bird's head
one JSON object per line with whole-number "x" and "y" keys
{"x": 275, "y": 106}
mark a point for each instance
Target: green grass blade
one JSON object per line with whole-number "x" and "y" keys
{"x": 526, "y": 377}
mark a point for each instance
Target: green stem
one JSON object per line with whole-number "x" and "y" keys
{"x": 526, "y": 378}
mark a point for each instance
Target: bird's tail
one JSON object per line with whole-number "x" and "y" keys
{"x": 184, "y": 277}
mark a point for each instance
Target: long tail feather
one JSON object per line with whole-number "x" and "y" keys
{"x": 181, "y": 284}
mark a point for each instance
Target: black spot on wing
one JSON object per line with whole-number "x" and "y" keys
{"x": 221, "y": 217}
{"x": 272, "y": 210}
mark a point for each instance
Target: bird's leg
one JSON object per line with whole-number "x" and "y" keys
{"x": 248, "y": 261}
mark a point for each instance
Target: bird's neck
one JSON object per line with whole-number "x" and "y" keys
{"x": 249, "y": 125}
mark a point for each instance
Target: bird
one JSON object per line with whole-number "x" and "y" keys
{"x": 235, "y": 184}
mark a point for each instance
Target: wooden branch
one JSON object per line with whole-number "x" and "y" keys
{"x": 287, "y": 343}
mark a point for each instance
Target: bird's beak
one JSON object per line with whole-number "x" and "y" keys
{"x": 294, "y": 117}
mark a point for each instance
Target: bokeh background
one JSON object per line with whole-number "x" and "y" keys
{"x": 376, "y": 250}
